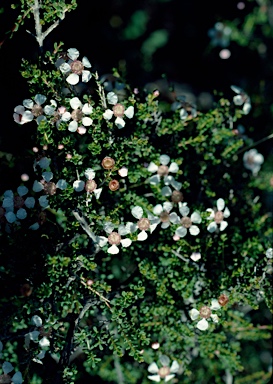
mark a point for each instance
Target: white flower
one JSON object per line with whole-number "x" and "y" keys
{"x": 35, "y": 335}
{"x": 241, "y": 99}
{"x": 195, "y": 256}
{"x": 144, "y": 224}
{"x": 90, "y": 185}
{"x": 48, "y": 187}
{"x": 15, "y": 379}
{"x": 205, "y": 313}
{"x": 166, "y": 372}
{"x": 165, "y": 217}
{"x": 186, "y": 109}
{"x": 187, "y": 222}
{"x": 253, "y": 160}
{"x": 269, "y": 253}
{"x": 75, "y": 66}
{"x": 220, "y": 35}
{"x": 32, "y": 109}
{"x": 114, "y": 238}
{"x": 218, "y": 216}
{"x": 78, "y": 115}
{"x": 17, "y": 202}
{"x": 163, "y": 171}
{"x": 118, "y": 111}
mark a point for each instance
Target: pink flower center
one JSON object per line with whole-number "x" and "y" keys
{"x": 37, "y": 110}
{"x": 90, "y": 185}
{"x": 143, "y": 224}
{"x": 163, "y": 372}
{"x": 5, "y": 379}
{"x": 219, "y": 216}
{"x": 186, "y": 222}
{"x": 77, "y": 67}
{"x": 164, "y": 217}
{"x": 114, "y": 238}
{"x": 77, "y": 115}
{"x": 205, "y": 312}
{"x": 50, "y": 188}
{"x": 163, "y": 170}
{"x": 113, "y": 185}
{"x": 108, "y": 163}
{"x": 18, "y": 202}
{"x": 118, "y": 110}
{"x": 177, "y": 196}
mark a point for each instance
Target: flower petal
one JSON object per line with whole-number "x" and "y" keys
{"x": 108, "y": 114}
{"x": 194, "y": 314}
{"x": 215, "y": 305}
{"x": 194, "y": 230}
{"x": 220, "y": 204}
{"x": 37, "y": 321}
{"x": 137, "y": 212}
{"x": 202, "y": 325}
{"x": 113, "y": 249}
{"x": 129, "y": 112}
{"x": 212, "y": 227}
{"x": 196, "y": 218}
{"x": 181, "y": 231}
{"x": 73, "y": 53}
{"x": 153, "y": 368}
{"x": 152, "y": 167}
{"x": 158, "y": 209}
{"x": 120, "y": 123}
{"x": 86, "y": 76}
{"x": 86, "y": 62}
{"x": 73, "y": 79}
{"x": 223, "y": 225}
{"x": 126, "y": 242}
{"x": 78, "y": 185}
{"x": 164, "y": 159}
{"x": 173, "y": 167}
{"x": 142, "y": 236}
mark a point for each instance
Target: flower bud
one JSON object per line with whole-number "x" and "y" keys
{"x": 223, "y": 300}
{"x": 113, "y": 185}
{"x": 108, "y": 163}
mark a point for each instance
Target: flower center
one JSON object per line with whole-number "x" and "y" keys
{"x": 37, "y": 110}
{"x": 223, "y": 300}
{"x": 18, "y": 202}
{"x": 77, "y": 115}
{"x": 163, "y": 372}
{"x": 143, "y": 224}
{"x": 90, "y": 185}
{"x": 163, "y": 170}
{"x": 5, "y": 379}
{"x": 164, "y": 217}
{"x": 186, "y": 222}
{"x": 113, "y": 185}
{"x": 77, "y": 67}
{"x": 205, "y": 312}
{"x": 50, "y": 188}
{"x": 114, "y": 238}
{"x": 118, "y": 110}
{"x": 177, "y": 196}
{"x": 108, "y": 163}
{"x": 219, "y": 216}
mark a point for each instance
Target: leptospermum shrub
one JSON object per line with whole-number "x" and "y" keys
{"x": 138, "y": 249}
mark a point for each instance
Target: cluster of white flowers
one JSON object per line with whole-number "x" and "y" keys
{"x": 38, "y": 336}
{"x": 206, "y": 314}
{"x": 73, "y": 68}
{"x": 166, "y": 372}
{"x": 118, "y": 110}
{"x": 7, "y": 368}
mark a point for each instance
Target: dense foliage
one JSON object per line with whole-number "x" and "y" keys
{"x": 140, "y": 250}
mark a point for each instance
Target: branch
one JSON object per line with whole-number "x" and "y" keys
{"x": 40, "y": 36}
